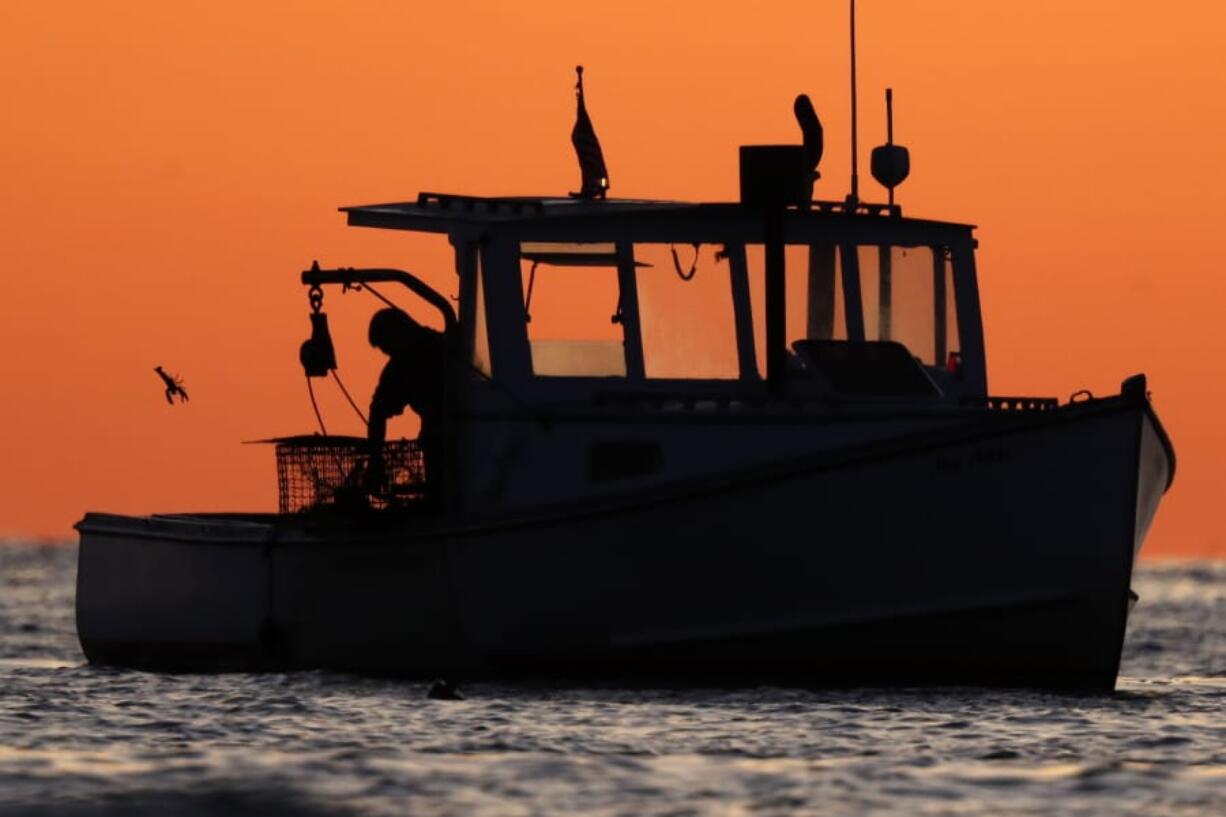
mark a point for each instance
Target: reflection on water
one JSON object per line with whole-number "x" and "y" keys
{"x": 37, "y": 663}
{"x": 81, "y": 741}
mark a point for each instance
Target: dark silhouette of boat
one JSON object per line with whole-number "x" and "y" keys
{"x": 844, "y": 501}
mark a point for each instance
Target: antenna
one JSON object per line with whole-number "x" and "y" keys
{"x": 889, "y": 116}
{"x": 854, "y": 198}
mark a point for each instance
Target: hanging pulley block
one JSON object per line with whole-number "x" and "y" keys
{"x": 317, "y": 354}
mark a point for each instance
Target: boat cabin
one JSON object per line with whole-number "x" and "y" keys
{"x": 606, "y": 341}
{"x": 562, "y": 296}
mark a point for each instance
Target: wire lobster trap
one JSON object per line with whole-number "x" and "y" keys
{"x": 315, "y": 471}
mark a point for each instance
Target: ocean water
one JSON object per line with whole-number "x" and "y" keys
{"x": 76, "y": 740}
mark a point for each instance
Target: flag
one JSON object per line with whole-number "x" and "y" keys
{"x": 595, "y": 176}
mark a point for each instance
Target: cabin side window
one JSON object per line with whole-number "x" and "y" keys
{"x": 481, "y": 334}
{"x": 814, "y": 294}
{"x": 686, "y": 311}
{"x": 571, "y": 305}
{"x": 908, "y": 297}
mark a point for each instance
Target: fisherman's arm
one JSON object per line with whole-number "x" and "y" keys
{"x": 376, "y": 433}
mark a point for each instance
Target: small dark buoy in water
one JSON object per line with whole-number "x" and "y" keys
{"x": 444, "y": 690}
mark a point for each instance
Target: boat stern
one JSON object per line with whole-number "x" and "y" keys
{"x": 172, "y": 593}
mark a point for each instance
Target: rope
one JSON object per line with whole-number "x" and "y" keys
{"x": 377, "y": 294}
{"x": 345, "y": 392}
{"x": 340, "y": 466}
{"x": 685, "y": 276}
{"x": 314, "y": 405}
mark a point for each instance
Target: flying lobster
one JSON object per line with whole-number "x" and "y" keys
{"x": 174, "y": 386}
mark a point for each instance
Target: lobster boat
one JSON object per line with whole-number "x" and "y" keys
{"x": 696, "y": 442}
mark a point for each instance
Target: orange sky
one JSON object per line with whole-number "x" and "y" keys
{"x": 166, "y": 169}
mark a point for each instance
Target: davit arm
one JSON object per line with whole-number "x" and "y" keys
{"x": 351, "y": 276}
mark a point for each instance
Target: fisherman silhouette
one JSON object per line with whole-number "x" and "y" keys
{"x": 174, "y": 386}
{"x": 413, "y": 377}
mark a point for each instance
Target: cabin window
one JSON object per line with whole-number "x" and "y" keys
{"x": 481, "y": 335}
{"x": 571, "y": 297}
{"x": 685, "y": 311}
{"x": 947, "y": 340}
{"x": 908, "y": 297}
{"x": 814, "y": 293}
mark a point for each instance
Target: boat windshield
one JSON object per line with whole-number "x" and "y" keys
{"x": 686, "y": 311}
{"x": 906, "y": 294}
{"x": 908, "y": 297}
{"x": 815, "y": 303}
{"x": 571, "y": 300}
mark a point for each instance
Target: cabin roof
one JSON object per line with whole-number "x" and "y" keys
{"x": 469, "y": 210}
{"x": 545, "y": 216}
